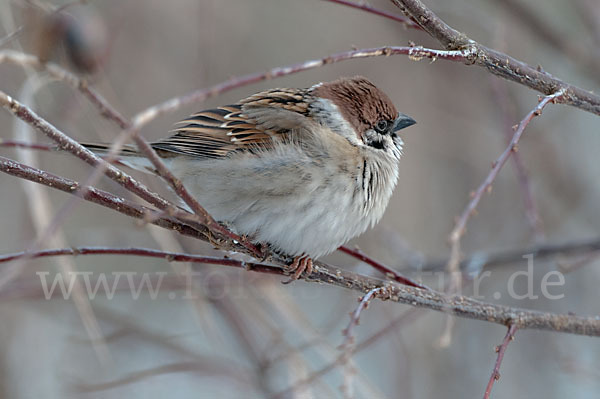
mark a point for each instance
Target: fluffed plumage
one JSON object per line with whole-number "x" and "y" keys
{"x": 304, "y": 170}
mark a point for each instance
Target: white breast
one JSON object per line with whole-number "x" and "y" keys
{"x": 298, "y": 203}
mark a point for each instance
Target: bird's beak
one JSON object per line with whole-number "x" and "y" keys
{"x": 403, "y": 121}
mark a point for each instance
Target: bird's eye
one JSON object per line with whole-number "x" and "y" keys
{"x": 382, "y": 126}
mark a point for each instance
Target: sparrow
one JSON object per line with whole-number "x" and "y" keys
{"x": 303, "y": 170}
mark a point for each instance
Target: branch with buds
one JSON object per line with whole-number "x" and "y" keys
{"x": 510, "y": 335}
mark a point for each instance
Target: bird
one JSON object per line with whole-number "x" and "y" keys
{"x": 302, "y": 170}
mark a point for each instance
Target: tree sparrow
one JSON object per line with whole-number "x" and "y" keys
{"x": 304, "y": 170}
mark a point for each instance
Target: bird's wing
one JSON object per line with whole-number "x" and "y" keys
{"x": 251, "y": 125}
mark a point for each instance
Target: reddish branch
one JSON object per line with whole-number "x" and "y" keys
{"x": 497, "y": 62}
{"x": 23, "y": 144}
{"x": 387, "y": 271}
{"x": 486, "y": 186}
{"x": 510, "y": 335}
{"x": 395, "y": 17}
{"x": 147, "y": 253}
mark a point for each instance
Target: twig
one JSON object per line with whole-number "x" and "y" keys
{"x": 531, "y": 210}
{"x": 395, "y": 17}
{"x": 486, "y": 186}
{"x": 387, "y": 271}
{"x": 213, "y": 366}
{"x": 497, "y": 62}
{"x": 453, "y": 266}
{"x": 23, "y": 144}
{"x": 348, "y": 345}
{"x": 511, "y": 256}
{"x": 144, "y": 252}
{"x": 569, "y": 267}
{"x": 11, "y": 36}
{"x": 510, "y": 335}
{"x": 414, "y": 52}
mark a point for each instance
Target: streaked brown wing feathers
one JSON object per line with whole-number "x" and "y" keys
{"x": 215, "y": 133}
{"x": 247, "y": 126}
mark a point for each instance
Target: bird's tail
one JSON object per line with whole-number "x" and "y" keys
{"x": 128, "y": 155}
{"x": 127, "y": 150}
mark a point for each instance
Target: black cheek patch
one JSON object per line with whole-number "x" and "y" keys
{"x": 376, "y": 144}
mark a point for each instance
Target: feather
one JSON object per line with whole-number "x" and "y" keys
{"x": 251, "y": 125}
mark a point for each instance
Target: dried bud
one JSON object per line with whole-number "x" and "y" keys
{"x": 81, "y": 33}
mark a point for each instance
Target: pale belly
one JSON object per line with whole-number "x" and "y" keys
{"x": 298, "y": 207}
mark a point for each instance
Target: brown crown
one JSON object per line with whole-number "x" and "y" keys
{"x": 361, "y": 103}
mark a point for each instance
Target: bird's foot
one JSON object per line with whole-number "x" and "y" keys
{"x": 301, "y": 264}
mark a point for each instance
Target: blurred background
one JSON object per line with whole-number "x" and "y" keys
{"x": 238, "y": 334}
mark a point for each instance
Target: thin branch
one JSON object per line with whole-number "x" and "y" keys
{"x": 497, "y": 62}
{"x": 386, "y": 270}
{"x": 212, "y": 366}
{"x": 569, "y": 267}
{"x": 486, "y": 186}
{"x": 531, "y": 210}
{"x": 510, "y": 335}
{"x": 23, "y": 144}
{"x": 414, "y": 52}
{"x": 489, "y": 260}
{"x": 147, "y": 253}
{"x": 365, "y": 7}
{"x": 11, "y": 36}
{"x": 348, "y": 345}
